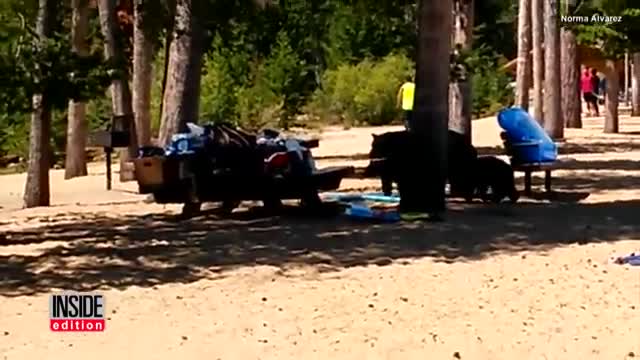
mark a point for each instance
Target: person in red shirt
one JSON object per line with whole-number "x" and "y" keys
{"x": 586, "y": 86}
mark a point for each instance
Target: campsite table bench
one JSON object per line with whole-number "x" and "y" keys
{"x": 535, "y": 167}
{"x": 528, "y": 167}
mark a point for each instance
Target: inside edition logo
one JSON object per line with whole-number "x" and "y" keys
{"x": 76, "y": 312}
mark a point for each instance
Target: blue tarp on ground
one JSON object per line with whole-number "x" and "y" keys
{"x": 357, "y": 207}
{"x": 350, "y": 197}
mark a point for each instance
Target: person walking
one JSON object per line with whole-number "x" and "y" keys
{"x": 405, "y": 100}
{"x": 602, "y": 88}
{"x": 586, "y": 86}
{"x": 596, "y": 91}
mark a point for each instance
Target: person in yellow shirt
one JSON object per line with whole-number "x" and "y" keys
{"x": 405, "y": 100}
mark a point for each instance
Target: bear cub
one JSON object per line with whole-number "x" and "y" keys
{"x": 497, "y": 175}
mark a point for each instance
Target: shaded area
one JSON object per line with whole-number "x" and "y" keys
{"x": 589, "y": 182}
{"x": 563, "y": 149}
{"x": 593, "y": 175}
{"x": 598, "y": 147}
{"x": 86, "y": 251}
{"x": 615, "y": 182}
{"x": 568, "y": 148}
{"x": 353, "y": 157}
{"x": 94, "y": 251}
{"x": 626, "y": 165}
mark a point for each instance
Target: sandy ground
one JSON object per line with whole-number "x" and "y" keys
{"x": 530, "y": 281}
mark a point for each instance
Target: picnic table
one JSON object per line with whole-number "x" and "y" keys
{"x": 528, "y": 168}
{"x": 190, "y": 180}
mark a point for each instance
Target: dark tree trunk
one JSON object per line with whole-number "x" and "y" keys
{"x": 171, "y": 12}
{"x": 142, "y": 71}
{"x": 426, "y": 192}
{"x": 120, "y": 91}
{"x": 77, "y": 129}
{"x": 635, "y": 85}
{"x": 182, "y": 93}
{"x": 524, "y": 49}
{"x": 553, "y": 123}
{"x": 537, "y": 39}
{"x": 460, "y": 91}
{"x": 611, "y": 97}
{"x": 36, "y": 192}
{"x": 571, "y": 103}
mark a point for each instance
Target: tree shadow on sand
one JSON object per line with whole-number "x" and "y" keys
{"x": 570, "y": 148}
{"x": 567, "y": 148}
{"x": 608, "y": 165}
{"x": 94, "y": 251}
{"x": 591, "y": 182}
{"x": 88, "y": 251}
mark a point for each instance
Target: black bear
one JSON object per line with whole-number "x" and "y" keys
{"x": 461, "y": 160}
{"x": 389, "y": 152}
{"x": 392, "y": 155}
{"x": 497, "y": 175}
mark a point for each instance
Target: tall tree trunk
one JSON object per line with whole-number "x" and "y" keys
{"x": 611, "y": 97}
{"x": 635, "y": 85}
{"x": 77, "y": 130}
{"x": 524, "y": 49}
{"x": 426, "y": 191}
{"x": 171, "y": 11}
{"x": 460, "y": 91}
{"x": 553, "y": 123}
{"x": 627, "y": 78}
{"x": 571, "y": 104}
{"x": 36, "y": 192}
{"x": 120, "y": 92}
{"x": 537, "y": 36}
{"x": 142, "y": 71}
{"x": 182, "y": 93}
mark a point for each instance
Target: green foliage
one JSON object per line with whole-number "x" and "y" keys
{"x": 496, "y": 25}
{"x": 369, "y": 30}
{"x": 226, "y": 69}
{"x": 364, "y": 93}
{"x": 258, "y": 107}
{"x": 35, "y": 66}
{"x": 156, "y": 91}
{"x": 263, "y": 66}
{"x": 490, "y": 83}
{"x": 613, "y": 38}
{"x": 30, "y": 65}
{"x": 13, "y": 134}
{"x": 253, "y": 93}
{"x": 284, "y": 74}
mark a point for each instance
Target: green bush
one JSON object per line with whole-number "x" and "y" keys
{"x": 225, "y": 70}
{"x": 273, "y": 95}
{"x": 156, "y": 91}
{"x": 257, "y": 104}
{"x": 490, "y": 83}
{"x": 258, "y": 107}
{"x": 14, "y": 135}
{"x": 252, "y": 93}
{"x": 364, "y": 93}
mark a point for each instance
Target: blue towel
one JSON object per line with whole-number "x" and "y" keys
{"x": 378, "y": 197}
{"x": 632, "y": 259}
{"x": 362, "y": 211}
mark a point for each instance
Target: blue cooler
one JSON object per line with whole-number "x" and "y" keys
{"x": 529, "y": 142}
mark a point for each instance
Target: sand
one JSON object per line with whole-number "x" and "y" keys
{"x": 530, "y": 281}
